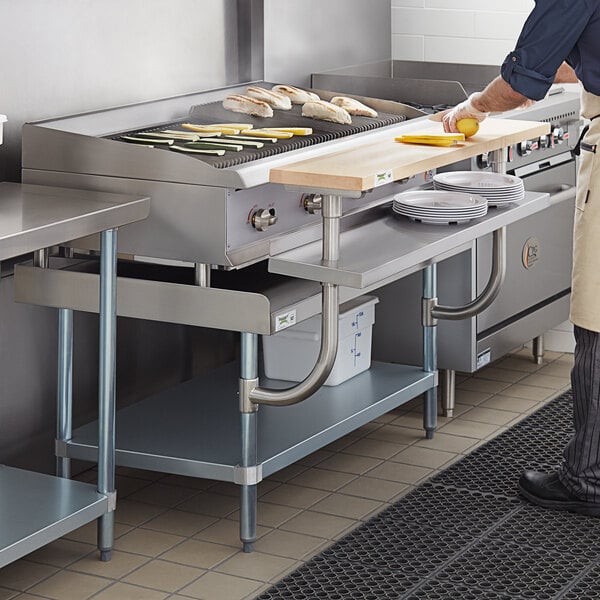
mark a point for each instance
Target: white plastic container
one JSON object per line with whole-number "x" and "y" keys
{"x": 2, "y": 121}
{"x": 292, "y": 353}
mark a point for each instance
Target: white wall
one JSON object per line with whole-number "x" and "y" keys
{"x": 459, "y": 31}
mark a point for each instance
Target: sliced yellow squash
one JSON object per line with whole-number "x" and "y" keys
{"x": 278, "y": 134}
{"x": 294, "y": 130}
{"x": 211, "y": 128}
{"x": 198, "y": 150}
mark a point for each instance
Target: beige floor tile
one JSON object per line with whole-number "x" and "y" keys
{"x": 196, "y": 553}
{"x": 227, "y": 532}
{"x": 23, "y": 574}
{"x": 485, "y": 386}
{"x": 351, "y": 507}
{"x": 6, "y": 594}
{"x": 341, "y": 443}
{"x": 403, "y": 493}
{"x": 163, "y": 495}
{"x": 195, "y": 483}
{"x": 424, "y": 457}
{"x": 385, "y": 418}
{"x": 471, "y": 429}
{"x": 214, "y": 505}
{"x": 67, "y": 585}
{"x": 496, "y": 374}
{"x": 373, "y": 448}
{"x": 216, "y": 586}
{"x": 347, "y": 463}
{"x": 557, "y": 369}
{"x": 135, "y": 513}
{"x": 288, "y": 473}
{"x": 315, "y": 458}
{"x": 400, "y": 472}
{"x": 294, "y": 496}
{"x": 147, "y": 542}
{"x": 179, "y": 522}
{"x": 164, "y": 576}
{"x": 288, "y": 544}
{"x": 61, "y": 553}
{"x": 139, "y": 473}
{"x": 263, "y": 567}
{"x": 128, "y": 485}
{"x": 517, "y": 405}
{"x": 89, "y": 533}
{"x": 546, "y": 381}
{"x": 447, "y": 443}
{"x": 125, "y": 591}
{"x": 270, "y": 515}
{"x": 412, "y": 419}
{"x": 470, "y": 397}
{"x": 317, "y": 524}
{"x": 491, "y": 416}
{"x": 519, "y": 363}
{"x": 118, "y": 566}
{"x": 374, "y": 489}
{"x": 323, "y": 479}
{"x": 528, "y": 392}
{"x": 403, "y": 436}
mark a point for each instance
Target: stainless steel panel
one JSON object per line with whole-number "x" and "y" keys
{"x": 202, "y": 439}
{"x": 386, "y": 246}
{"x": 305, "y": 36}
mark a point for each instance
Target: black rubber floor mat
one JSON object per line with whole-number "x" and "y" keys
{"x": 466, "y": 534}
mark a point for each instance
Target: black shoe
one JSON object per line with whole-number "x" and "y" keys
{"x": 546, "y": 490}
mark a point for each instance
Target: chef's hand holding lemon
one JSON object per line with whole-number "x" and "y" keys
{"x": 464, "y": 117}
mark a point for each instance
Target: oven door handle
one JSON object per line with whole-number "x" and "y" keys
{"x": 434, "y": 311}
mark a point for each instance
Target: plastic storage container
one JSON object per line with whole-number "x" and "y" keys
{"x": 292, "y": 353}
{"x": 2, "y": 121}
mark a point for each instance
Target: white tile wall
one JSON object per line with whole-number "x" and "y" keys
{"x": 463, "y": 31}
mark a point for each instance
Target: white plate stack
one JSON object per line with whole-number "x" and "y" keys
{"x": 439, "y": 207}
{"x": 496, "y": 187}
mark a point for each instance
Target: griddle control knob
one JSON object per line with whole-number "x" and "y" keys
{"x": 312, "y": 203}
{"x": 558, "y": 134}
{"x": 525, "y": 148}
{"x": 483, "y": 160}
{"x": 262, "y": 218}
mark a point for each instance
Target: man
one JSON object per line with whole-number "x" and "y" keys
{"x": 557, "y": 31}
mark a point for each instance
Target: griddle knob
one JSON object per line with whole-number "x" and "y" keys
{"x": 263, "y": 218}
{"x": 312, "y": 203}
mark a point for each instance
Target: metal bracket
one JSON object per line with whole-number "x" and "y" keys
{"x": 247, "y": 386}
{"x": 60, "y": 448}
{"x": 247, "y": 475}
{"x": 112, "y": 501}
{"x": 427, "y": 307}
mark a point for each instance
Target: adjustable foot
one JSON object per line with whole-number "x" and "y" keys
{"x": 429, "y": 434}
{"x": 448, "y": 413}
{"x": 105, "y": 555}
{"x": 248, "y": 547}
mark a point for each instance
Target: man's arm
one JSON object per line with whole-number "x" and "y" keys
{"x": 565, "y": 74}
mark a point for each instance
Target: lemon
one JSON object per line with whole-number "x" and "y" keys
{"x": 467, "y": 126}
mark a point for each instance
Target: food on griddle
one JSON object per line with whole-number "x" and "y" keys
{"x": 325, "y": 111}
{"x": 296, "y": 95}
{"x": 294, "y": 130}
{"x": 145, "y": 140}
{"x": 272, "y": 133}
{"x": 354, "y": 107}
{"x": 270, "y": 140}
{"x": 189, "y": 136}
{"x": 198, "y": 150}
{"x": 274, "y": 99}
{"x": 231, "y": 146}
{"x": 247, "y": 105}
{"x": 242, "y": 140}
{"x": 225, "y": 130}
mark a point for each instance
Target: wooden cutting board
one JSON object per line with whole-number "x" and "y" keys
{"x": 364, "y": 167}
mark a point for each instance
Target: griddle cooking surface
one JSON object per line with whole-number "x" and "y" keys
{"x": 323, "y": 131}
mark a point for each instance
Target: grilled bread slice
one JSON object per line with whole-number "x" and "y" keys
{"x": 247, "y": 105}
{"x": 274, "y": 99}
{"x": 296, "y": 95}
{"x": 325, "y": 111}
{"x": 354, "y": 107}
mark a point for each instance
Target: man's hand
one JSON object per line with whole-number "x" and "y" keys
{"x": 464, "y": 110}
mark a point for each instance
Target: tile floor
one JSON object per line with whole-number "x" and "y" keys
{"x": 178, "y": 537}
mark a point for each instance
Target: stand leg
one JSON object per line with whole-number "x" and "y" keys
{"x": 248, "y": 497}
{"x": 107, "y": 387}
{"x": 64, "y": 411}
{"x": 430, "y": 353}
{"x": 538, "y": 350}
{"x": 448, "y": 392}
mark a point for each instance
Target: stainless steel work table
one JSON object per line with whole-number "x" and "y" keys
{"x": 35, "y": 509}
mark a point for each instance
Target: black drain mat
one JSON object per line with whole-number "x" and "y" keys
{"x": 466, "y": 535}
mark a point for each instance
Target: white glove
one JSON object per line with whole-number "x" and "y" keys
{"x": 464, "y": 110}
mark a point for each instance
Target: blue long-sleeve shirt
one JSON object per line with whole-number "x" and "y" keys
{"x": 556, "y": 31}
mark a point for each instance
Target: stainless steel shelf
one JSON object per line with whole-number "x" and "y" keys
{"x": 388, "y": 247}
{"x": 194, "y": 429}
{"x": 36, "y": 509}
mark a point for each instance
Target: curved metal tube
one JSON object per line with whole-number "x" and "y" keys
{"x": 324, "y": 364}
{"x": 491, "y": 290}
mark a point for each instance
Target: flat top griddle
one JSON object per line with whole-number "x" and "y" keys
{"x": 323, "y": 131}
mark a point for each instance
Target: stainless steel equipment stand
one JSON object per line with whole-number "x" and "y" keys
{"x": 538, "y": 350}
{"x": 429, "y": 350}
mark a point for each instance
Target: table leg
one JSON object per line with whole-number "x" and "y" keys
{"x": 430, "y": 353}
{"x": 448, "y": 392}
{"x": 64, "y": 412}
{"x": 107, "y": 388}
{"x": 248, "y": 501}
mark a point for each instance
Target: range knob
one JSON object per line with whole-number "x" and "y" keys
{"x": 312, "y": 203}
{"x": 525, "y": 148}
{"x": 545, "y": 142}
{"x": 483, "y": 160}
{"x": 558, "y": 135}
{"x": 262, "y": 218}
